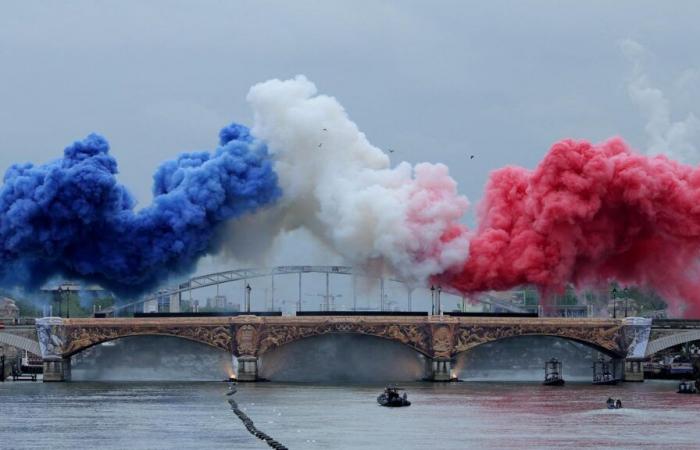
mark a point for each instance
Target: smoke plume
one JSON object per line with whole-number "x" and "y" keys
{"x": 71, "y": 217}
{"x": 588, "y": 214}
{"x": 677, "y": 139}
{"x": 340, "y": 187}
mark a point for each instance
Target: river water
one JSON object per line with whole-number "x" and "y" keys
{"x": 195, "y": 415}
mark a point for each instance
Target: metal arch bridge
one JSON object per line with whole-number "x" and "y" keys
{"x": 20, "y": 342}
{"x": 230, "y": 276}
{"x": 213, "y": 279}
{"x": 665, "y": 342}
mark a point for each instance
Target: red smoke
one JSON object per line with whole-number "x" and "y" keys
{"x": 586, "y": 215}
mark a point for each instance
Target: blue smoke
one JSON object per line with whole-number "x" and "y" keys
{"x": 71, "y": 218}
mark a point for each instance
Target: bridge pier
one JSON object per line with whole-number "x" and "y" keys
{"x": 633, "y": 370}
{"x": 247, "y": 368}
{"x": 56, "y": 369}
{"x": 438, "y": 369}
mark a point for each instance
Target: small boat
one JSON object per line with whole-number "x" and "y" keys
{"x": 553, "y": 373}
{"x": 390, "y": 397}
{"x": 614, "y": 404}
{"x": 687, "y": 387}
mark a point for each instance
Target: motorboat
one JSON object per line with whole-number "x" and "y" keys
{"x": 613, "y": 404}
{"x": 687, "y": 387}
{"x": 391, "y": 397}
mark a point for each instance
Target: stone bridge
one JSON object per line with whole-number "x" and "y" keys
{"x": 438, "y": 338}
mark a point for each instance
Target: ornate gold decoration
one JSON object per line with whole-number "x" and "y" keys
{"x": 246, "y": 340}
{"x": 80, "y": 338}
{"x": 252, "y": 336}
{"x": 415, "y": 336}
{"x": 610, "y": 338}
{"x": 442, "y": 341}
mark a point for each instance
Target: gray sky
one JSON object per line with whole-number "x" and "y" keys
{"x": 436, "y": 81}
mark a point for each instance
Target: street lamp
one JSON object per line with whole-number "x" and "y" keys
{"x": 614, "y": 296}
{"x": 64, "y": 290}
{"x": 626, "y": 291}
{"x": 439, "y": 305}
{"x": 247, "y": 299}
{"x": 59, "y": 291}
{"x": 432, "y": 297}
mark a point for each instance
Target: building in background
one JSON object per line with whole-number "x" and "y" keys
{"x": 9, "y": 311}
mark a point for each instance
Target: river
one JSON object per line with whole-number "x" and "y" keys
{"x": 195, "y": 415}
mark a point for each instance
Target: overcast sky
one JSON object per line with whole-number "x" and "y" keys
{"x": 436, "y": 81}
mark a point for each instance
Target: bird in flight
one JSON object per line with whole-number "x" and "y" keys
{"x": 391, "y": 150}
{"x": 319, "y": 145}
{"x": 325, "y": 129}
{"x": 471, "y": 157}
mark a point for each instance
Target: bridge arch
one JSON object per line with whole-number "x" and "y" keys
{"x": 665, "y": 342}
{"x": 614, "y": 353}
{"x": 151, "y": 358}
{"x": 605, "y": 349}
{"x": 80, "y": 339}
{"x": 272, "y": 341}
{"x": 414, "y": 335}
{"x": 608, "y": 339}
{"x": 349, "y": 357}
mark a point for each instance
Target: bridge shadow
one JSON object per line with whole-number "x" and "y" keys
{"x": 522, "y": 358}
{"x": 342, "y": 358}
{"x": 151, "y": 358}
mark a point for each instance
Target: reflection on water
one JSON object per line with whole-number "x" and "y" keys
{"x": 442, "y": 416}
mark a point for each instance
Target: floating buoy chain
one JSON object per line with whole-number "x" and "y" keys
{"x": 251, "y": 427}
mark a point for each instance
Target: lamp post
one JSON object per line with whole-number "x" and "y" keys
{"x": 247, "y": 297}
{"x": 614, "y": 296}
{"x": 439, "y": 305}
{"x": 58, "y": 292}
{"x": 626, "y": 291}
{"x": 61, "y": 293}
{"x": 60, "y": 299}
{"x": 432, "y": 299}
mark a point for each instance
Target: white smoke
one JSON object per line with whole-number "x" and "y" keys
{"x": 674, "y": 139}
{"x": 403, "y": 220}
